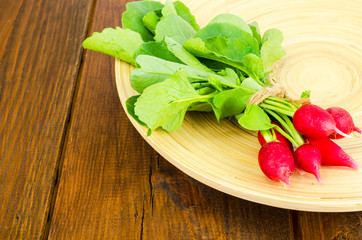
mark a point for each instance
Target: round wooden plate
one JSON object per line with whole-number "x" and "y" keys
{"x": 324, "y": 54}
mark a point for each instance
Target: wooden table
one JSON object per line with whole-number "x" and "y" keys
{"x": 73, "y": 167}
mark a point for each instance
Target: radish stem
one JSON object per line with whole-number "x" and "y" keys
{"x": 278, "y": 104}
{"x": 270, "y": 107}
{"x": 295, "y": 133}
{"x": 268, "y": 136}
{"x": 293, "y": 106}
{"x": 297, "y": 139}
{"x": 286, "y": 135}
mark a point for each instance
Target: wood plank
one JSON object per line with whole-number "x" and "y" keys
{"x": 9, "y": 11}
{"x": 181, "y": 206}
{"x": 102, "y": 185}
{"x": 38, "y": 70}
{"x": 113, "y": 185}
{"x": 336, "y": 226}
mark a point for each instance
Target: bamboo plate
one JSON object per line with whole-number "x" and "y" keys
{"x": 324, "y": 54}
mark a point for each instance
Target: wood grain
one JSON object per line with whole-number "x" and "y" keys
{"x": 329, "y": 226}
{"x": 39, "y": 61}
{"x": 104, "y": 179}
{"x": 113, "y": 185}
{"x": 9, "y": 11}
{"x": 184, "y": 208}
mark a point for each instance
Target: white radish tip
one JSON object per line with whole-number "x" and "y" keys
{"x": 355, "y": 166}
{"x": 285, "y": 180}
{"x": 352, "y": 164}
{"x": 318, "y": 178}
{"x": 342, "y": 133}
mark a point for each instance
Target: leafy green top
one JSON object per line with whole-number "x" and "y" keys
{"x": 180, "y": 67}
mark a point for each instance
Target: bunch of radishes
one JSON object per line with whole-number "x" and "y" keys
{"x": 310, "y": 130}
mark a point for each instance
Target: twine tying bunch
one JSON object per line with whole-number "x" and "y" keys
{"x": 276, "y": 90}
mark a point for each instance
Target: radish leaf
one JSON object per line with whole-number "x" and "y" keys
{"x": 159, "y": 50}
{"x": 271, "y": 50}
{"x": 305, "y": 94}
{"x": 254, "y": 118}
{"x": 119, "y": 43}
{"x": 254, "y": 66}
{"x": 233, "y": 20}
{"x": 151, "y": 19}
{"x": 130, "y": 109}
{"x": 153, "y": 70}
{"x": 231, "y": 102}
{"x": 175, "y": 27}
{"x": 164, "y": 104}
{"x": 251, "y": 84}
{"x": 254, "y": 26}
{"x": 168, "y": 9}
{"x": 179, "y": 51}
{"x": 133, "y": 17}
{"x": 185, "y": 13}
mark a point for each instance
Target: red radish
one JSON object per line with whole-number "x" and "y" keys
{"x": 279, "y": 137}
{"x": 313, "y": 121}
{"x": 309, "y": 158}
{"x": 276, "y": 161}
{"x": 332, "y": 154}
{"x": 344, "y": 121}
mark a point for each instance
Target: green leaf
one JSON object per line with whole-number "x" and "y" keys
{"x": 150, "y": 63}
{"x": 215, "y": 82}
{"x": 197, "y": 47}
{"x": 164, "y": 104}
{"x": 175, "y": 121}
{"x": 133, "y": 17}
{"x": 254, "y": 118}
{"x": 201, "y": 107}
{"x": 174, "y": 27}
{"x": 214, "y": 65}
{"x": 185, "y": 56}
{"x": 251, "y": 84}
{"x": 151, "y": 19}
{"x": 271, "y": 50}
{"x": 254, "y": 26}
{"x": 272, "y": 35}
{"x": 225, "y": 43}
{"x": 185, "y": 13}
{"x": 254, "y": 66}
{"x": 224, "y": 30}
{"x": 205, "y": 90}
{"x": 231, "y": 102}
{"x": 234, "y": 49}
{"x": 168, "y": 9}
{"x": 305, "y": 94}
{"x": 119, "y": 43}
{"x": 141, "y": 79}
{"x": 199, "y": 85}
{"x": 227, "y": 51}
{"x": 154, "y": 70}
{"x": 130, "y": 105}
{"x": 231, "y": 75}
{"x": 228, "y": 31}
{"x": 233, "y": 20}
{"x": 159, "y": 50}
